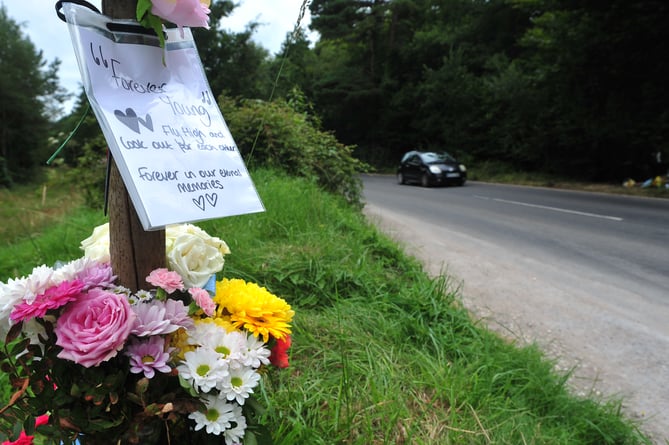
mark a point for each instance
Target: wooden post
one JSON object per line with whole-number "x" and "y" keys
{"x": 134, "y": 252}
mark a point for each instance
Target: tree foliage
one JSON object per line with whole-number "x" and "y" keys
{"x": 569, "y": 88}
{"x": 574, "y": 88}
{"x": 234, "y": 64}
{"x": 29, "y": 96}
{"x": 282, "y": 135}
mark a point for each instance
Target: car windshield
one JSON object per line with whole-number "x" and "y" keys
{"x": 433, "y": 158}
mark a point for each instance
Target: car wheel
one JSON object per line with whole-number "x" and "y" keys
{"x": 400, "y": 179}
{"x": 461, "y": 182}
{"x": 425, "y": 180}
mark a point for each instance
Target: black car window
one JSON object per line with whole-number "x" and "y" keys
{"x": 431, "y": 158}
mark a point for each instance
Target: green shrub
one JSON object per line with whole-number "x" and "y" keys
{"x": 280, "y": 135}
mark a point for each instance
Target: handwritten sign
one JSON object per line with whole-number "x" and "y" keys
{"x": 172, "y": 146}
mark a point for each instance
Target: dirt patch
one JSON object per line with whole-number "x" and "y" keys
{"x": 528, "y": 301}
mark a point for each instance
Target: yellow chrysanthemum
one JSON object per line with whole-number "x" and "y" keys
{"x": 179, "y": 340}
{"x": 223, "y": 322}
{"x": 251, "y": 307}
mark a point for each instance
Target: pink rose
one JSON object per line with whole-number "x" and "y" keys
{"x": 94, "y": 328}
{"x": 183, "y": 12}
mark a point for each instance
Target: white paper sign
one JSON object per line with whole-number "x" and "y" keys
{"x": 166, "y": 133}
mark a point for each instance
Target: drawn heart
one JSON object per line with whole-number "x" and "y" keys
{"x": 132, "y": 121}
{"x": 212, "y": 198}
{"x": 148, "y": 122}
{"x": 199, "y": 202}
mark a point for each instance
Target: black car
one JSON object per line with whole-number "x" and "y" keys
{"x": 428, "y": 168}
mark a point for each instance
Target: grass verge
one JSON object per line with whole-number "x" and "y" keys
{"x": 504, "y": 174}
{"x": 382, "y": 354}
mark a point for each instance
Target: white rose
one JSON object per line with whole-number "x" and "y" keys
{"x": 194, "y": 254}
{"x": 96, "y": 246}
{"x": 191, "y": 252}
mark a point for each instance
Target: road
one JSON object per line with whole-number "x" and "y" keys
{"x": 584, "y": 275}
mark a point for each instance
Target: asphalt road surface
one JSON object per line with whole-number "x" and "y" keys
{"x": 584, "y": 275}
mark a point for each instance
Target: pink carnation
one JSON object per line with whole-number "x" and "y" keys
{"x": 168, "y": 280}
{"x": 183, "y": 12}
{"x": 53, "y": 298}
{"x": 203, "y": 300}
{"x": 93, "y": 329}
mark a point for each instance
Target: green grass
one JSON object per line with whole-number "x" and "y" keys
{"x": 382, "y": 353}
{"x": 504, "y": 174}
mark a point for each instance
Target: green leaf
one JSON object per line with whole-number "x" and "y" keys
{"x": 14, "y": 332}
{"x": 250, "y": 438}
{"x": 142, "y": 386}
{"x": 20, "y": 347}
{"x": 143, "y": 7}
{"x": 75, "y": 391}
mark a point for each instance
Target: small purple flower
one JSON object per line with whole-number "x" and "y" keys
{"x": 151, "y": 319}
{"x": 177, "y": 313}
{"x": 160, "y": 317}
{"x": 148, "y": 356}
{"x": 97, "y": 275}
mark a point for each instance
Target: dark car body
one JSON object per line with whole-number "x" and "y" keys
{"x": 428, "y": 168}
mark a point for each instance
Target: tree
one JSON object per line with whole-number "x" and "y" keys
{"x": 28, "y": 87}
{"x": 234, "y": 64}
{"x": 294, "y": 65}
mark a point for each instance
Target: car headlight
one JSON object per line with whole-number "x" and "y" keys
{"x": 434, "y": 169}
{"x": 463, "y": 168}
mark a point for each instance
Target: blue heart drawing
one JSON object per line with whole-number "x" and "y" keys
{"x": 132, "y": 121}
{"x": 199, "y": 202}
{"x": 211, "y": 198}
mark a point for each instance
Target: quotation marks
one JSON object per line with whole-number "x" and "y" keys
{"x": 132, "y": 121}
{"x": 205, "y": 98}
{"x": 100, "y": 59}
{"x": 208, "y": 198}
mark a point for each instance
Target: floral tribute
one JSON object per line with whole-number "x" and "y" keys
{"x": 178, "y": 362}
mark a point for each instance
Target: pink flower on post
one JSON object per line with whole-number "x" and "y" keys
{"x": 182, "y": 13}
{"x": 165, "y": 279}
{"x": 93, "y": 329}
{"x": 204, "y": 301}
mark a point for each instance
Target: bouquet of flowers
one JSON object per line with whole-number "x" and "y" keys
{"x": 177, "y": 362}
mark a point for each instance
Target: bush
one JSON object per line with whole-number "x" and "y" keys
{"x": 279, "y": 135}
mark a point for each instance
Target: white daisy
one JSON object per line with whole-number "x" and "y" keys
{"x": 230, "y": 345}
{"x": 217, "y": 417}
{"x": 255, "y": 352}
{"x": 121, "y": 290}
{"x": 37, "y": 282}
{"x": 203, "y": 332}
{"x": 11, "y": 293}
{"x": 239, "y": 384}
{"x": 141, "y": 296}
{"x": 203, "y": 368}
{"x": 235, "y": 433}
